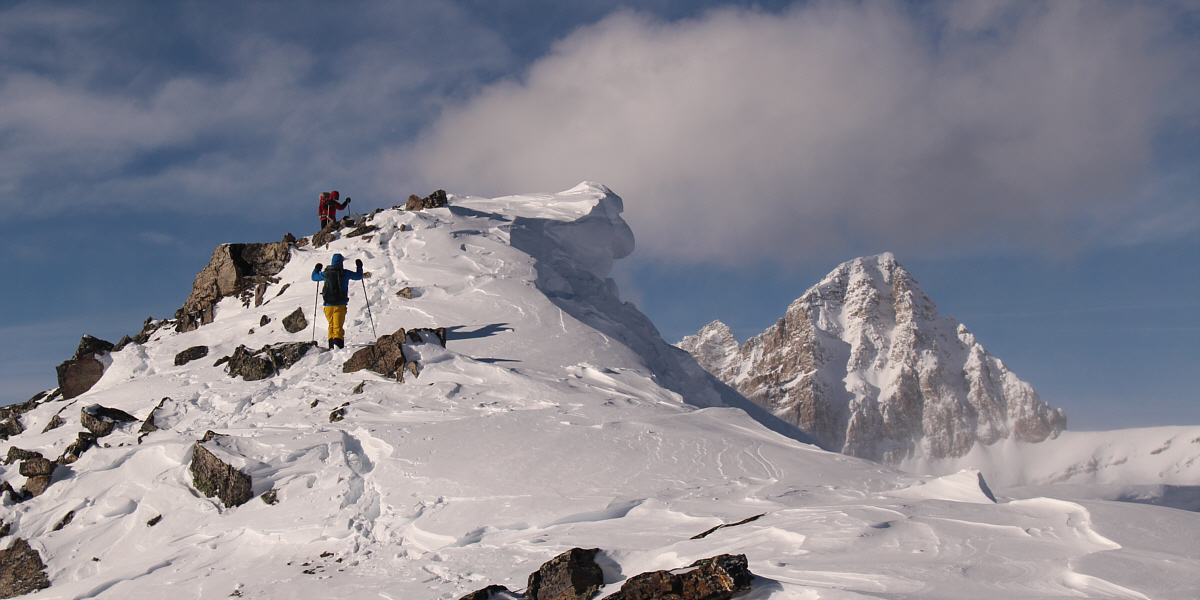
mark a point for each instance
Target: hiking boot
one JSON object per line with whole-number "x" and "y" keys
{"x": 341, "y": 343}
{"x": 331, "y": 343}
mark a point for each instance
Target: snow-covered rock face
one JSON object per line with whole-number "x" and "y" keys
{"x": 554, "y": 417}
{"x": 863, "y": 362}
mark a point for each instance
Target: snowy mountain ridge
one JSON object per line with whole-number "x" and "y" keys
{"x": 555, "y": 417}
{"x": 863, "y": 362}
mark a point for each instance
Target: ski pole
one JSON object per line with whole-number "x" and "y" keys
{"x": 368, "y": 298}
{"x": 316, "y": 298}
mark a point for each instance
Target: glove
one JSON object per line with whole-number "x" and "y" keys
{"x": 319, "y": 267}
{"x": 347, "y": 201}
{"x": 358, "y": 263}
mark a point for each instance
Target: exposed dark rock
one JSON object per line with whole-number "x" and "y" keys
{"x": 422, "y": 335}
{"x": 302, "y": 242}
{"x": 716, "y": 578}
{"x": 4, "y": 527}
{"x": 742, "y": 522}
{"x": 271, "y": 496}
{"x": 385, "y": 356}
{"x": 190, "y": 354}
{"x": 361, "y": 229}
{"x": 100, "y": 420}
{"x": 154, "y": 521}
{"x": 66, "y": 520}
{"x": 288, "y": 238}
{"x": 35, "y": 486}
{"x": 149, "y": 326}
{"x": 358, "y": 389}
{"x": 338, "y": 413}
{"x": 263, "y": 321}
{"x": 55, "y": 422}
{"x": 82, "y": 371}
{"x": 295, "y": 322}
{"x": 83, "y": 442}
{"x": 7, "y": 488}
{"x": 148, "y": 425}
{"x": 405, "y": 292}
{"x": 37, "y": 467}
{"x": 266, "y": 361}
{"x": 10, "y": 426}
{"x": 15, "y": 454}
{"x": 326, "y": 235}
{"x": 21, "y": 570}
{"x": 124, "y": 341}
{"x": 572, "y": 575}
{"x": 486, "y": 593}
{"x": 213, "y": 477}
{"x": 434, "y": 200}
{"x": 234, "y": 269}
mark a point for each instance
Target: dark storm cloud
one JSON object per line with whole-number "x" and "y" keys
{"x": 835, "y": 125}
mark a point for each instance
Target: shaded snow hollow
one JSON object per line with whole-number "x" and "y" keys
{"x": 556, "y": 417}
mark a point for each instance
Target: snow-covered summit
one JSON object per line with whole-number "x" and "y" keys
{"x": 863, "y": 362}
{"x": 554, "y": 417}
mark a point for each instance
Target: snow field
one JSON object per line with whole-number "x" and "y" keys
{"x": 553, "y": 419}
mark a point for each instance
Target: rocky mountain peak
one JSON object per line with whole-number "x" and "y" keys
{"x": 863, "y": 362}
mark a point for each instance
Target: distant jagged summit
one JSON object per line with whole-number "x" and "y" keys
{"x": 863, "y": 362}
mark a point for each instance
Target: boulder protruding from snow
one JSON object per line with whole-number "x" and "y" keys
{"x": 266, "y": 361}
{"x": 437, "y": 199}
{"x": 716, "y": 578}
{"x": 84, "y": 441}
{"x": 100, "y": 420}
{"x": 234, "y": 269}
{"x": 295, "y": 322}
{"x": 82, "y": 371}
{"x": 38, "y": 472}
{"x": 190, "y": 354}
{"x": 572, "y": 575}
{"x": 21, "y": 570}
{"x": 385, "y": 356}
{"x": 214, "y": 477}
{"x": 426, "y": 335}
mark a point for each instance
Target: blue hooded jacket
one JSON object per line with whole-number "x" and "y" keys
{"x": 336, "y": 261}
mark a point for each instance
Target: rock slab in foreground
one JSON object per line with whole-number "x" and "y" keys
{"x": 214, "y": 477}
{"x": 266, "y": 361}
{"x": 21, "y": 570}
{"x": 295, "y": 322}
{"x": 385, "y": 356}
{"x": 572, "y": 575}
{"x": 716, "y": 578}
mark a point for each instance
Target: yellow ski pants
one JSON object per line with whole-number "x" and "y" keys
{"x": 336, "y": 315}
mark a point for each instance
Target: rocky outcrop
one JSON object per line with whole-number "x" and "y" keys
{"x": 427, "y": 335}
{"x": 385, "y": 356}
{"x": 190, "y": 354}
{"x": 82, "y": 371}
{"x": 214, "y": 477}
{"x": 10, "y": 416}
{"x": 295, "y": 322}
{"x": 15, "y": 454}
{"x": 864, "y": 363}
{"x": 265, "y": 362}
{"x": 437, "y": 199}
{"x": 572, "y": 575}
{"x": 100, "y": 420}
{"x": 21, "y": 570}
{"x": 38, "y": 473}
{"x": 241, "y": 270}
{"x": 84, "y": 441}
{"x": 716, "y": 578}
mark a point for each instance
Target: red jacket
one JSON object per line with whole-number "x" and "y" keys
{"x": 328, "y": 208}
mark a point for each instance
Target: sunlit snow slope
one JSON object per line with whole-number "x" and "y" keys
{"x": 556, "y": 417}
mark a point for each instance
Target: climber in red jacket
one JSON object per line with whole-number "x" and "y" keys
{"x": 329, "y": 206}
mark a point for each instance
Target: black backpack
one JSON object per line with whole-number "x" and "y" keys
{"x": 333, "y": 293}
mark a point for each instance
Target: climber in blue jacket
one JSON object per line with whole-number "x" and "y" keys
{"x": 336, "y": 293}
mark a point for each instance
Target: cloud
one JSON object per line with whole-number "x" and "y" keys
{"x": 743, "y": 134}
{"x": 223, "y": 106}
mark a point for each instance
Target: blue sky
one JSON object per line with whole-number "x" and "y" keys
{"x": 1035, "y": 165}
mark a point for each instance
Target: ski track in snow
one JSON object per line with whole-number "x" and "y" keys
{"x": 533, "y": 432}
